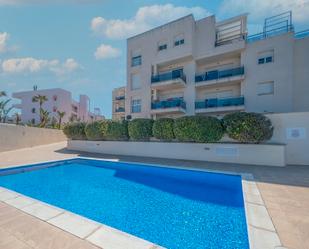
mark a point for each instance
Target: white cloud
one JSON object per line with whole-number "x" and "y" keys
{"x": 259, "y": 9}
{"x": 3, "y": 42}
{"x": 145, "y": 18}
{"x": 33, "y": 65}
{"x": 25, "y": 2}
{"x": 106, "y": 52}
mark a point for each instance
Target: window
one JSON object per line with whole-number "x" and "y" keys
{"x": 135, "y": 81}
{"x": 266, "y": 57}
{"x": 33, "y": 110}
{"x": 179, "y": 40}
{"x": 33, "y": 121}
{"x": 136, "y": 105}
{"x": 136, "y": 61}
{"x": 265, "y": 88}
{"x": 162, "y": 47}
{"x": 261, "y": 60}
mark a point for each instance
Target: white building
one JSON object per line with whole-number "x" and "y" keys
{"x": 57, "y": 100}
{"x": 118, "y": 103}
{"x": 205, "y": 67}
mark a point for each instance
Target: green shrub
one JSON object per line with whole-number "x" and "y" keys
{"x": 248, "y": 127}
{"x": 163, "y": 129}
{"x": 116, "y": 130}
{"x": 140, "y": 129}
{"x": 198, "y": 129}
{"x": 75, "y": 131}
{"x": 94, "y": 130}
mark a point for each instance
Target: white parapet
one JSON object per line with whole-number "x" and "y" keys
{"x": 254, "y": 154}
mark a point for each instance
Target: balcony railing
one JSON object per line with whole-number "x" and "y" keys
{"x": 301, "y": 34}
{"x": 210, "y": 103}
{"x": 218, "y": 74}
{"x": 173, "y": 75}
{"x": 164, "y": 104}
{"x": 120, "y": 109}
{"x": 120, "y": 97}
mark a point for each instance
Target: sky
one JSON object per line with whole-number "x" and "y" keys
{"x": 80, "y": 45}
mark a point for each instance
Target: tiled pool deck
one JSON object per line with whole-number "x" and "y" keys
{"x": 284, "y": 192}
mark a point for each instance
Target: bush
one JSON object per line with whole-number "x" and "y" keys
{"x": 75, "y": 131}
{"x": 116, "y": 130}
{"x": 94, "y": 130}
{"x": 198, "y": 129}
{"x": 248, "y": 127}
{"x": 163, "y": 129}
{"x": 140, "y": 129}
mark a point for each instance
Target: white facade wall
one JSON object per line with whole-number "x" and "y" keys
{"x": 201, "y": 53}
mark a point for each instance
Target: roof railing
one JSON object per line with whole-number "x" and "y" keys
{"x": 301, "y": 34}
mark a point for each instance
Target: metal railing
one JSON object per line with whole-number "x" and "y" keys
{"x": 120, "y": 109}
{"x": 119, "y": 97}
{"x": 270, "y": 33}
{"x": 301, "y": 34}
{"x": 175, "y": 74}
{"x": 168, "y": 104}
{"x": 218, "y": 74}
{"x": 220, "y": 102}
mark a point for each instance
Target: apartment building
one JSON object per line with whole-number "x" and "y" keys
{"x": 206, "y": 67}
{"x": 118, "y": 105}
{"x": 57, "y": 100}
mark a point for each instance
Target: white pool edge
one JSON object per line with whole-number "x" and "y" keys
{"x": 261, "y": 231}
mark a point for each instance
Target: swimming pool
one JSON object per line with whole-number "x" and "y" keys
{"x": 174, "y": 208}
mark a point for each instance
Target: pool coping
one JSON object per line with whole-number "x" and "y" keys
{"x": 260, "y": 228}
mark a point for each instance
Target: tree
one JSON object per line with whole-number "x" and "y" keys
{"x": 4, "y": 109}
{"x": 41, "y": 99}
{"x": 17, "y": 118}
{"x": 2, "y": 94}
{"x": 60, "y": 116}
{"x": 44, "y": 114}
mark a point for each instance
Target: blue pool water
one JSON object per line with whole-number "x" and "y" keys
{"x": 177, "y": 209}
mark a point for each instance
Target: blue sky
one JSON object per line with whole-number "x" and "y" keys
{"x": 80, "y": 45}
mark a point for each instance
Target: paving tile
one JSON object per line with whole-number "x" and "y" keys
{"x": 74, "y": 224}
{"x": 42, "y": 211}
{"x": 109, "y": 238}
{"x": 20, "y": 202}
{"x": 259, "y": 217}
{"x": 263, "y": 239}
{"x": 6, "y": 195}
{"x": 256, "y": 199}
{"x": 250, "y": 188}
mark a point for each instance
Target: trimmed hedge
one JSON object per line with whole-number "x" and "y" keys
{"x": 116, "y": 130}
{"x": 163, "y": 129}
{"x": 198, "y": 129}
{"x": 248, "y": 127}
{"x": 75, "y": 131}
{"x": 140, "y": 129}
{"x": 94, "y": 130}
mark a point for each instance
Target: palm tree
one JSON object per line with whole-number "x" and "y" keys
{"x": 17, "y": 118}
{"x": 61, "y": 115}
{"x": 41, "y": 99}
{"x": 44, "y": 114}
{"x": 4, "y": 110}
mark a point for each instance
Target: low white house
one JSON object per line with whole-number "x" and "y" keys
{"x": 57, "y": 100}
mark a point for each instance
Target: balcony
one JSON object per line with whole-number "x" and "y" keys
{"x": 169, "y": 79}
{"x": 120, "y": 109}
{"x": 219, "y": 76}
{"x": 120, "y": 97}
{"x": 220, "y": 105}
{"x": 176, "y": 105}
